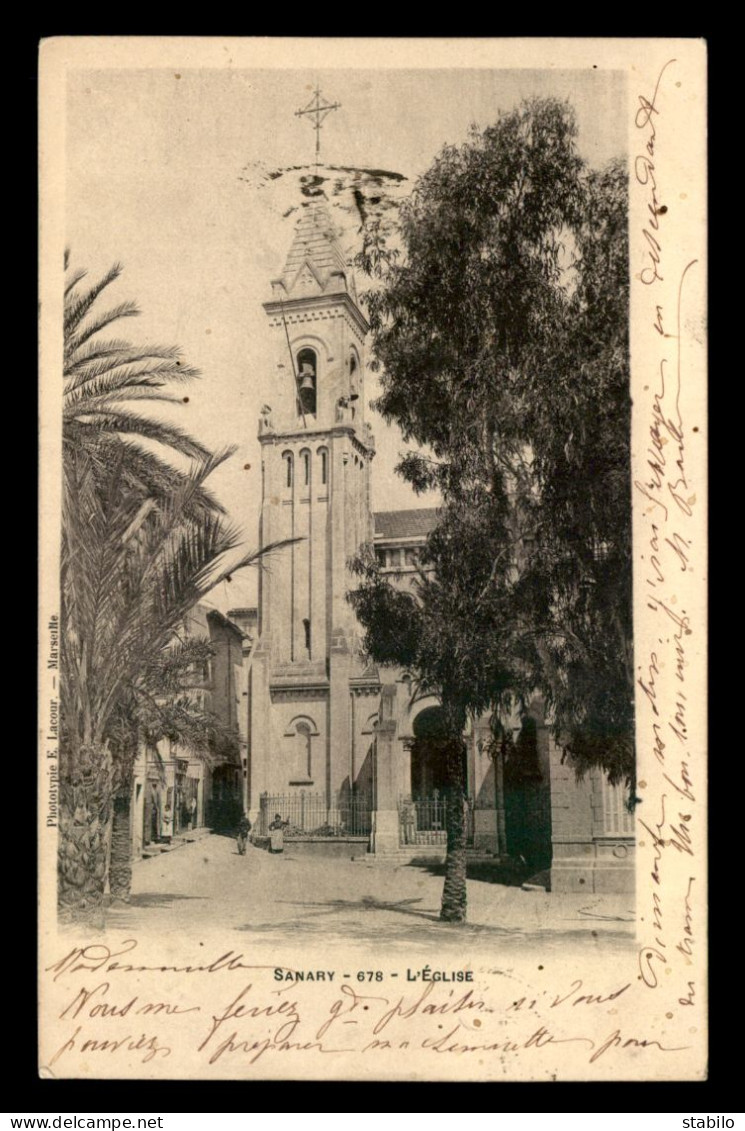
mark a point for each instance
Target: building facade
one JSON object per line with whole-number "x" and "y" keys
{"x": 176, "y": 788}
{"x": 312, "y": 695}
{"x": 336, "y": 745}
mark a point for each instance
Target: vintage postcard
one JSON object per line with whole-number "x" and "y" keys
{"x": 373, "y": 531}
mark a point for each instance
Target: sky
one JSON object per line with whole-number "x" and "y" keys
{"x": 165, "y": 173}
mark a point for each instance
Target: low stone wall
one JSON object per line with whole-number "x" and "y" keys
{"x": 340, "y": 848}
{"x": 601, "y": 867}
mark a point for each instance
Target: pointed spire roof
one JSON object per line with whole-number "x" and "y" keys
{"x": 316, "y": 269}
{"x": 315, "y": 247}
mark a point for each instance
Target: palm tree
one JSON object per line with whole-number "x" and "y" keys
{"x": 142, "y": 543}
{"x": 160, "y": 706}
{"x": 104, "y": 379}
{"x": 131, "y": 572}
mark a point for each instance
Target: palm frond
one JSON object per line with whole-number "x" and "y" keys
{"x": 223, "y": 570}
{"x": 75, "y": 278}
{"x": 74, "y": 340}
{"x": 84, "y": 406}
{"x": 161, "y": 480}
{"x": 131, "y": 423}
{"x": 156, "y": 597}
{"x": 112, "y": 347}
{"x": 271, "y": 548}
{"x": 211, "y": 461}
{"x": 78, "y": 306}
{"x": 128, "y": 368}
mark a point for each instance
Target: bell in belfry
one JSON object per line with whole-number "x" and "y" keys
{"x": 307, "y": 386}
{"x": 307, "y": 377}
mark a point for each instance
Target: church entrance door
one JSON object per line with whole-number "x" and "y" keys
{"x": 428, "y": 754}
{"x": 423, "y": 815}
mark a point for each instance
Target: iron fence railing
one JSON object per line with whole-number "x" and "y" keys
{"x": 423, "y": 819}
{"x": 309, "y": 814}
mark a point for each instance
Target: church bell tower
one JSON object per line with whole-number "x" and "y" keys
{"x": 316, "y": 451}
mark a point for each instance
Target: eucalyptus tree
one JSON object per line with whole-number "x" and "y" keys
{"x": 501, "y": 334}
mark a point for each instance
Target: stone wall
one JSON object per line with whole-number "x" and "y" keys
{"x": 589, "y": 853}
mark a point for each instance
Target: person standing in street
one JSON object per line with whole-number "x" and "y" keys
{"x": 277, "y": 834}
{"x": 244, "y": 828}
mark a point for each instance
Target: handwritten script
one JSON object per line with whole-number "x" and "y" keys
{"x": 668, "y": 822}
{"x": 119, "y": 1009}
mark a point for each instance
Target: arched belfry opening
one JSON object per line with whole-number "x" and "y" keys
{"x": 307, "y": 379}
{"x": 354, "y": 376}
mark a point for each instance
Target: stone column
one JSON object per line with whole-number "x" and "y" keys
{"x": 261, "y": 726}
{"x": 483, "y": 789}
{"x": 339, "y": 616}
{"x": 338, "y": 721}
{"x": 385, "y": 838}
{"x": 404, "y": 766}
{"x": 139, "y": 788}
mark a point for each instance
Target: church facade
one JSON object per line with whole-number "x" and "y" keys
{"x": 344, "y": 751}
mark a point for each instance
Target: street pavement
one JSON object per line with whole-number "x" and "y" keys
{"x": 278, "y": 899}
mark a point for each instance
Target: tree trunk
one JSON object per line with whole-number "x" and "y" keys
{"x": 454, "y": 893}
{"x": 85, "y": 811}
{"x": 120, "y": 864}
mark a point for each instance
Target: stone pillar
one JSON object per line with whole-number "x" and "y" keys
{"x": 338, "y": 720}
{"x": 404, "y": 763}
{"x": 261, "y": 726}
{"x": 483, "y": 789}
{"x": 139, "y": 788}
{"x": 385, "y": 838}
{"x": 338, "y": 619}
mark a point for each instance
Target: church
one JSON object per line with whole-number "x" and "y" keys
{"x": 342, "y": 750}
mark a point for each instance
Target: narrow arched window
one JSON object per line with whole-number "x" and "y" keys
{"x": 306, "y": 629}
{"x": 287, "y": 478}
{"x": 324, "y": 458}
{"x": 304, "y": 754}
{"x": 306, "y": 468}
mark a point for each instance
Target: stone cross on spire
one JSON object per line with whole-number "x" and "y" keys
{"x": 317, "y": 110}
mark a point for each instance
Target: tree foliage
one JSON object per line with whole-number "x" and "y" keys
{"x": 576, "y": 584}
{"x": 143, "y": 541}
{"x": 501, "y": 333}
